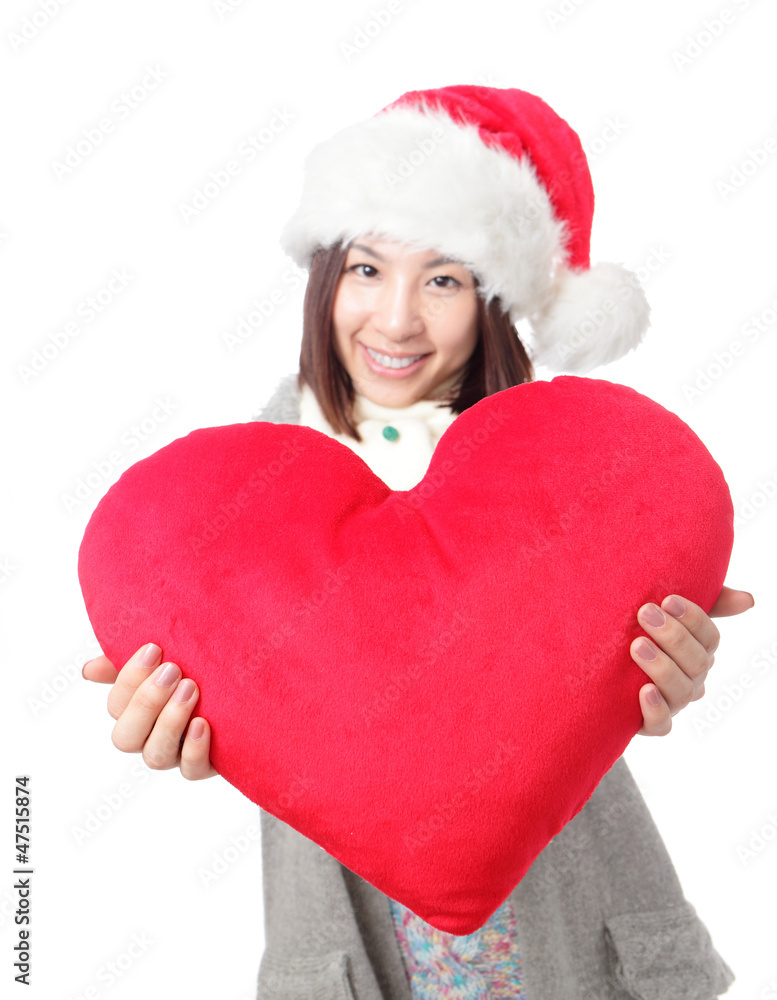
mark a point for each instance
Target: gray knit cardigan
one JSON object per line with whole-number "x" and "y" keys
{"x": 600, "y": 914}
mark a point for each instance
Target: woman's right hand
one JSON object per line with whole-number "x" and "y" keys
{"x": 152, "y": 705}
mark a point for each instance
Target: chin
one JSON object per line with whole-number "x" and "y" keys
{"x": 393, "y": 397}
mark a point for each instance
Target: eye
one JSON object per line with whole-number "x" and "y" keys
{"x": 445, "y": 277}
{"x": 355, "y": 267}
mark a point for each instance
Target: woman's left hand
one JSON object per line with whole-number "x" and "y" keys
{"x": 683, "y": 647}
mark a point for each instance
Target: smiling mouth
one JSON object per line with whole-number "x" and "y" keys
{"x": 389, "y": 361}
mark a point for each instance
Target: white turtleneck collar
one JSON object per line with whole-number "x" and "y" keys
{"x": 400, "y": 463}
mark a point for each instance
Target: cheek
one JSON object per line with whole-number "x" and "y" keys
{"x": 342, "y": 327}
{"x": 467, "y": 332}
{"x": 348, "y": 314}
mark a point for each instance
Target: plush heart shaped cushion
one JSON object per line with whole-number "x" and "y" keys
{"x": 427, "y": 683}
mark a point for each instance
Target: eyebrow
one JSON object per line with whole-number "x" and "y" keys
{"x": 432, "y": 263}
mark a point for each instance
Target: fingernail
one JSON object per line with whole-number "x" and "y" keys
{"x": 168, "y": 675}
{"x": 646, "y": 650}
{"x": 674, "y": 606}
{"x": 196, "y": 729}
{"x": 654, "y": 697}
{"x": 653, "y": 615}
{"x": 150, "y": 655}
{"x": 184, "y": 691}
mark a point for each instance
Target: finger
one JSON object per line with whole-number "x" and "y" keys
{"x": 135, "y": 723}
{"x": 674, "y": 685}
{"x": 657, "y": 718}
{"x": 99, "y": 669}
{"x": 693, "y": 618}
{"x": 162, "y": 748}
{"x": 731, "y": 602}
{"x": 135, "y": 671}
{"x": 684, "y": 649}
{"x": 195, "y": 752}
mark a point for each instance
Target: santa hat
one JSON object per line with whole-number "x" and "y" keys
{"x": 497, "y": 180}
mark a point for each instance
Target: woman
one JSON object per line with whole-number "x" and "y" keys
{"x": 398, "y": 340}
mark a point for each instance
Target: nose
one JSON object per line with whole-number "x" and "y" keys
{"x": 397, "y": 315}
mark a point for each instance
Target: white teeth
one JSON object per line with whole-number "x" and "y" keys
{"x": 389, "y": 362}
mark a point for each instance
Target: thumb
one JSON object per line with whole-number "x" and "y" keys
{"x": 100, "y": 669}
{"x": 731, "y": 602}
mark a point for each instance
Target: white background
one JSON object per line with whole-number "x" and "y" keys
{"x": 681, "y": 128}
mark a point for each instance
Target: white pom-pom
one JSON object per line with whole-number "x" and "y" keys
{"x": 592, "y": 317}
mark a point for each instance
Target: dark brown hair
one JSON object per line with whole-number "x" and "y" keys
{"x": 498, "y": 361}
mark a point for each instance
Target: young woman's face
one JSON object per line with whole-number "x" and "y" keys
{"x": 395, "y": 305}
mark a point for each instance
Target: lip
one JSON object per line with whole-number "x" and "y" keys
{"x": 373, "y": 365}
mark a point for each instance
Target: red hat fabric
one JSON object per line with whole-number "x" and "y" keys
{"x": 526, "y": 127}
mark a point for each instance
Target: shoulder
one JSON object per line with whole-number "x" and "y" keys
{"x": 283, "y": 406}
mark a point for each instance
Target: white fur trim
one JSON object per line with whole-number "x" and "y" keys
{"x": 593, "y": 318}
{"x": 458, "y": 196}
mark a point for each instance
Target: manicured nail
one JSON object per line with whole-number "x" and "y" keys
{"x": 654, "y": 697}
{"x": 653, "y": 615}
{"x": 646, "y": 650}
{"x": 196, "y": 729}
{"x": 150, "y": 655}
{"x": 674, "y": 606}
{"x": 184, "y": 691}
{"x": 168, "y": 675}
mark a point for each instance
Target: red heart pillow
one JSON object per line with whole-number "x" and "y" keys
{"x": 427, "y": 683}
